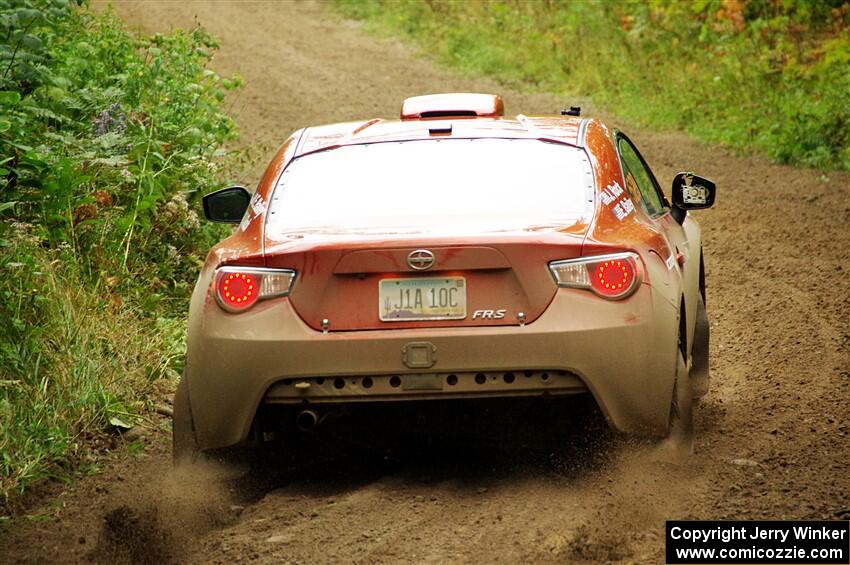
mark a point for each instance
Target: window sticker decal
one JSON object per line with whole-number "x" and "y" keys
{"x": 623, "y": 207}
{"x": 255, "y": 208}
{"x": 258, "y": 205}
{"x": 611, "y": 192}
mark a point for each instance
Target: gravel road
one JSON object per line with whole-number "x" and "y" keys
{"x": 773, "y": 433}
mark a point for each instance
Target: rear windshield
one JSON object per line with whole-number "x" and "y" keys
{"x": 412, "y": 184}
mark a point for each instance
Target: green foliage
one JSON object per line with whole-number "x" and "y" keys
{"x": 106, "y": 142}
{"x": 73, "y": 359}
{"x": 764, "y": 75}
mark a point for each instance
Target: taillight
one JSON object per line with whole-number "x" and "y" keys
{"x": 239, "y": 288}
{"x": 238, "y": 291}
{"x": 612, "y": 276}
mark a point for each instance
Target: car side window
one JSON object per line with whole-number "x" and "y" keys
{"x": 639, "y": 179}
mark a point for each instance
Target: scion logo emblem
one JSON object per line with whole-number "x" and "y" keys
{"x": 420, "y": 260}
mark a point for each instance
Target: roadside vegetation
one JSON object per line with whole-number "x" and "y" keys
{"x": 107, "y": 141}
{"x": 766, "y": 76}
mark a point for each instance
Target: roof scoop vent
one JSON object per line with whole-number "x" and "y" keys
{"x": 453, "y": 105}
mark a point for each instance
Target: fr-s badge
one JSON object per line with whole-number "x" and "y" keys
{"x": 488, "y": 314}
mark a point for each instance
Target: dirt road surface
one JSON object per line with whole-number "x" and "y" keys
{"x": 773, "y": 433}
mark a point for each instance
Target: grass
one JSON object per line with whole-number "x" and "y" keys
{"x": 757, "y": 76}
{"x": 79, "y": 358}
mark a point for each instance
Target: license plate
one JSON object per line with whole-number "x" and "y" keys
{"x": 422, "y": 299}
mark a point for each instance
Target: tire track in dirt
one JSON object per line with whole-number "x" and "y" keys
{"x": 777, "y": 254}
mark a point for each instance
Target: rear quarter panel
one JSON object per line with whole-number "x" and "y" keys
{"x": 617, "y": 222}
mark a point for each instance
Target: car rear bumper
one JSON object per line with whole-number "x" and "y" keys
{"x": 423, "y": 386}
{"x": 622, "y": 352}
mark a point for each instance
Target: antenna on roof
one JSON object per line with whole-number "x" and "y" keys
{"x": 573, "y": 111}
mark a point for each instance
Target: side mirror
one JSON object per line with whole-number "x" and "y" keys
{"x": 691, "y": 192}
{"x": 226, "y": 206}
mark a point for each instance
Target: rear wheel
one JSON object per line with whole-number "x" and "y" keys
{"x": 680, "y": 436}
{"x": 184, "y": 443}
{"x": 699, "y": 355}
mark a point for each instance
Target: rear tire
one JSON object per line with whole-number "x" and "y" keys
{"x": 184, "y": 442}
{"x": 680, "y": 434}
{"x": 699, "y": 355}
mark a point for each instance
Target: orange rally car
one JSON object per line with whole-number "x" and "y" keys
{"x": 454, "y": 253}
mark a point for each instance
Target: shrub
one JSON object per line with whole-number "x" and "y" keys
{"x": 106, "y": 141}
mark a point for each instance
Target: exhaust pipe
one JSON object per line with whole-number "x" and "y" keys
{"x": 306, "y": 420}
